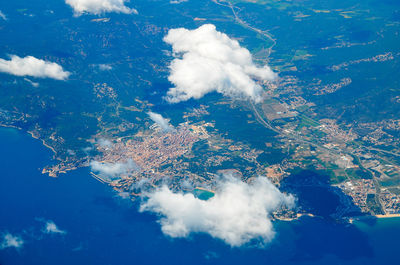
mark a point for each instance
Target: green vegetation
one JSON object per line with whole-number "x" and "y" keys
{"x": 373, "y": 204}
{"x": 357, "y": 173}
{"x": 393, "y": 182}
{"x": 302, "y": 108}
{"x": 305, "y": 121}
{"x": 395, "y": 190}
{"x": 337, "y": 179}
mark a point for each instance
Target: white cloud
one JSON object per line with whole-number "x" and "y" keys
{"x": 124, "y": 195}
{"x": 104, "y": 143}
{"x": 34, "y": 84}
{"x": 3, "y": 16}
{"x": 51, "y": 228}
{"x": 238, "y": 213}
{"x": 177, "y": 1}
{"x": 112, "y": 169}
{"x": 102, "y": 66}
{"x": 105, "y": 67}
{"x": 161, "y": 121}
{"x": 208, "y": 60}
{"x": 71, "y": 152}
{"x": 98, "y": 7}
{"x": 11, "y": 241}
{"x": 31, "y": 66}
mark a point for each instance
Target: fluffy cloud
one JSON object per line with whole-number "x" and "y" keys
{"x": 11, "y": 241}
{"x": 161, "y": 121}
{"x": 177, "y": 1}
{"x": 104, "y": 143}
{"x": 100, "y": 6}
{"x": 34, "y": 84}
{"x": 208, "y": 60}
{"x": 112, "y": 170}
{"x": 3, "y": 16}
{"x": 51, "y": 228}
{"x": 238, "y": 213}
{"x": 105, "y": 67}
{"x": 31, "y": 66}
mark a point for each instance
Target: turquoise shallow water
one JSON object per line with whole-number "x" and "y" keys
{"x": 384, "y": 236}
{"x": 104, "y": 229}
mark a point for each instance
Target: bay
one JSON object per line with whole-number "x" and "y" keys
{"x": 102, "y": 228}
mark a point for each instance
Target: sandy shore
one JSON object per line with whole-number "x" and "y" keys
{"x": 351, "y": 220}
{"x": 387, "y": 215}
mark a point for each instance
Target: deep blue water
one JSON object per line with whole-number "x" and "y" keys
{"x": 104, "y": 229}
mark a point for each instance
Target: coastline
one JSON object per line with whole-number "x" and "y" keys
{"x": 48, "y": 170}
{"x": 298, "y": 215}
{"x": 43, "y": 142}
{"x": 378, "y": 216}
{"x": 31, "y": 134}
{"x": 393, "y": 215}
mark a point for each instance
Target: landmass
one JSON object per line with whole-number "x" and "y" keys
{"x": 312, "y": 118}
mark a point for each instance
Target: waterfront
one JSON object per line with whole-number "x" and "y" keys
{"x": 102, "y": 228}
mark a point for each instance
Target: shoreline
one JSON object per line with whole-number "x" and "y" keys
{"x": 31, "y": 134}
{"x": 298, "y": 215}
{"x": 43, "y": 142}
{"x": 393, "y": 215}
{"x": 378, "y": 216}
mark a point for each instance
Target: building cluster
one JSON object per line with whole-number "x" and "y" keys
{"x": 150, "y": 152}
{"x": 390, "y": 202}
{"x": 103, "y": 90}
{"x": 378, "y": 58}
{"x": 334, "y": 132}
{"x": 358, "y": 190}
{"x": 331, "y": 88}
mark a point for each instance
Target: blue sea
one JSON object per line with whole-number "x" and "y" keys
{"x": 102, "y": 228}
